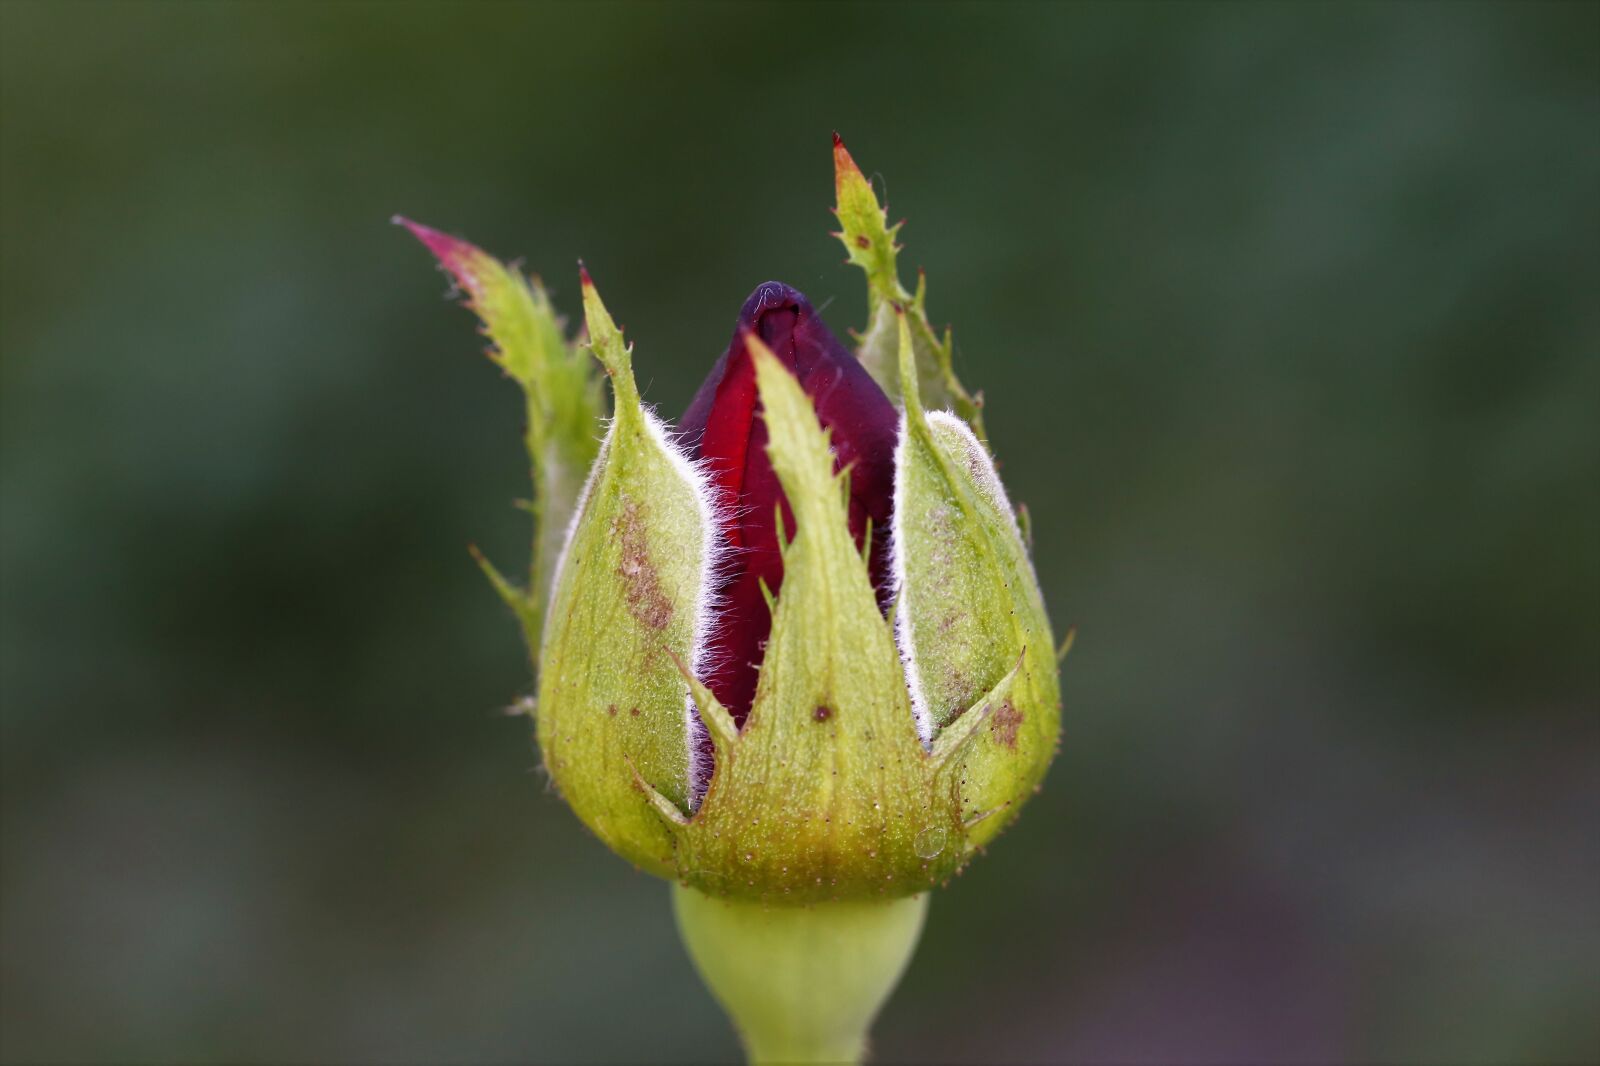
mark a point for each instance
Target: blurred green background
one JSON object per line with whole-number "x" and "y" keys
{"x": 1287, "y": 320}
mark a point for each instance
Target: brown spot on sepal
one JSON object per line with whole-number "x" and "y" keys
{"x": 1007, "y": 719}
{"x": 646, "y": 600}
{"x": 822, "y": 713}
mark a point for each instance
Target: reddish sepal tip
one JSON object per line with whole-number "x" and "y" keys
{"x": 843, "y": 164}
{"x": 447, "y": 248}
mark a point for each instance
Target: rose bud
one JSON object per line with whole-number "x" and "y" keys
{"x": 842, "y": 756}
{"x": 793, "y": 651}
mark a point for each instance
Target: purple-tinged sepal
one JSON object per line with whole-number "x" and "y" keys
{"x": 562, "y": 400}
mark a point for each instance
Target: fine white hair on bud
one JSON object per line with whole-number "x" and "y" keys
{"x": 578, "y": 508}
{"x": 714, "y": 554}
{"x": 979, "y": 462}
{"x": 903, "y": 636}
{"x": 962, "y": 448}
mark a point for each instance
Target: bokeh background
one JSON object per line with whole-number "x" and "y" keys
{"x": 1287, "y": 319}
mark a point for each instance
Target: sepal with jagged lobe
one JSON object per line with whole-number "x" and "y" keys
{"x": 562, "y": 397}
{"x": 971, "y": 623}
{"x": 629, "y": 602}
{"x": 872, "y": 246}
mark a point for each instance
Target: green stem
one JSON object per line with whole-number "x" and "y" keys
{"x": 802, "y": 984}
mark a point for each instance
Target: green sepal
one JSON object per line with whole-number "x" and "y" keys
{"x": 871, "y": 244}
{"x": 561, "y": 396}
{"x": 828, "y": 790}
{"x": 971, "y": 625}
{"x": 628, "y": 600}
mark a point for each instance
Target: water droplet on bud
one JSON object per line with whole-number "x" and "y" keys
{"x": 930, "y": 842}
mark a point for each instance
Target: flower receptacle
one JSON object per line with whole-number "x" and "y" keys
{"x": 802, "y": 984}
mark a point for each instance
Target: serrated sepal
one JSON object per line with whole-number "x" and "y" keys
{"x": 871, "y": 244}
{"x": 629, "y": 601}
{"x": 971, "y": 625}
{"x": 828, "y": 790}
{"x": 561, "y": 394}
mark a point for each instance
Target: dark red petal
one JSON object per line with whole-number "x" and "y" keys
{"x": 721, "y": 427}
